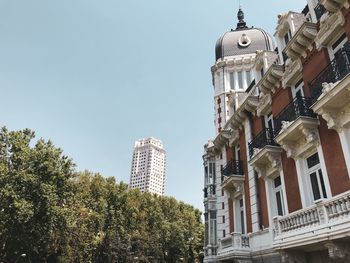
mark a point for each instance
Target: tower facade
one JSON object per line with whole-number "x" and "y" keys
{"x": 277, "y": 173}
{"x": 148, "y": 166}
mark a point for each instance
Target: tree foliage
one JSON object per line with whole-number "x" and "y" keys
{"x": 51, "y": 213}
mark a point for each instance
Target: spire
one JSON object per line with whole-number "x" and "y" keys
{"x": 241, "y": 23}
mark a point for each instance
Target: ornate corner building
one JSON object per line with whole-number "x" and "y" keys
{"x": 277, "y": 174}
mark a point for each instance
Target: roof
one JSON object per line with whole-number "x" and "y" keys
{"x": 243, "y": 41}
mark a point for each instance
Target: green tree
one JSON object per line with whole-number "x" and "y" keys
{"x": 35, "y": 189}
{"x": 52, "y": 213}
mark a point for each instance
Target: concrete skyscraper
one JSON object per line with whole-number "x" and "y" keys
{"x": 148, "y": 166}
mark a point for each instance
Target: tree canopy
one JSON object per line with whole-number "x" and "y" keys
{"x": 49, "y": 212}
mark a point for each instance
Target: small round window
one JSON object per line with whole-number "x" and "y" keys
{"x": 244, "y": 41}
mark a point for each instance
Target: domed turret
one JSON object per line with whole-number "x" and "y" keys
{"x": 242, "y": 40}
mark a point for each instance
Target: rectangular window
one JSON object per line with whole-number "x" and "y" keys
{"x": 238, "y": 153}
{"x": 232, "y": 80}
{"x": 223, "y": 219}
{"x": 279, "y": 196}
{"x": 298, "y": 89}
{"x": 316, "y": 177}
{"x": 269, "y": 121}
{"x": 337, "y": 48}
{"x": 223, "y": 205}
{"x": 287, "y": 37}
{"x": 212, "y": 175}
{"x": 241, "y": 212}
{"x": 212, "y": 227}
{"x": 224, "y": 233}
{"x": 240, "y": 80}
{"x": 248, "y": 78}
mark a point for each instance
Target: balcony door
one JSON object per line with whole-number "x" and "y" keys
{"x": 316, "y": 177}
{"x": 237, "y": 153}
{"x": 342, "y": 43}
{"x": 298, "y": 90}
{"x": 240, "y": 225}
{"x": 269, "y": 121}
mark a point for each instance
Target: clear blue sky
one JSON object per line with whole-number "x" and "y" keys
{"x": 95, "y": 75}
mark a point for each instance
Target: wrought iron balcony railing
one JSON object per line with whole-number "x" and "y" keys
{"x": 300, "y": 106}
{"x": 337, "y": 69}
{"x": 264, "y": 138}
{"x": 251, "y": 85}
{"x": 319, "y": 11}
{"x": 234, "y": 167}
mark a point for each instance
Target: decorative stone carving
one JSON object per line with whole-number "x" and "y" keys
{"x": 334, "y": 5}
{"x": 311, "y": 135}
{"x": 233, "y": 186}
{"x": 271, "y": 79}
{"x": 292, "y": 73}
{"x": 267, "y": 161}
{"x": 298, "y": 138}
{"x": 222, "y": 138}
{"x": 301, "y": 41}
{"x": 265, "y": 58}
{"x": 334, "y": 104}
{"x": 293, "y": 257}
{"x": 264, "y": 105}
{"x": 289, "y": 147}
{"x": 330, "y": 27}
{"x": 285, "y": 20}
{"x": 338, "y": 251}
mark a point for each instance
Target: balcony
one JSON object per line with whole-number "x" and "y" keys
{"x": 299, "y": 107}
{"x": 331, "y": 25}
{"x": 233, "y": 178}
{"x": 292, "y": 73}
{"x": 331, "y": 92}
{"x": 210, "y": 196}
{"x": 233, "y": 168}
{"x": 296, "y": 128}
{"x": 236, "y": 246}
{"x": 301, "y": 41}
{"x": 271, "y": 79}
{"x": 327, "y": 220}
{"x": 334, "y": 5}
{"x": 248, "y": 104}
{"x": 337, "y": 69}
{"x": 265, "y": 154}
{"x": 264, "y": 138}
{"x": 210, "y": 253}
{"x": 264, "y": 106}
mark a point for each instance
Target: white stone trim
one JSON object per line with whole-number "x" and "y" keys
{"x": 301, "y": 171}
{"x": 344, "y": 137}
{"x": 251, "y": 174}
{"x": 324, "y": 171}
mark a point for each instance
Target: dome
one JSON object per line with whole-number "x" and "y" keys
{"x": 243, "y": 40}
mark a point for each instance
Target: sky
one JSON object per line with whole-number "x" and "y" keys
{"x": 93, "y": 76}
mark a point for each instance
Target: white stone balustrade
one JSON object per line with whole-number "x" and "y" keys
{"x": 234, "y": 241}
{"x": 328, "y": 218}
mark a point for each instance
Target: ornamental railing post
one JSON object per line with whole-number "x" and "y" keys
{"x": 322, "y": 211}
{"x": 277, "y": 226}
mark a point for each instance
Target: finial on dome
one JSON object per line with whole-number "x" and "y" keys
{"x": 241, "y": 23}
